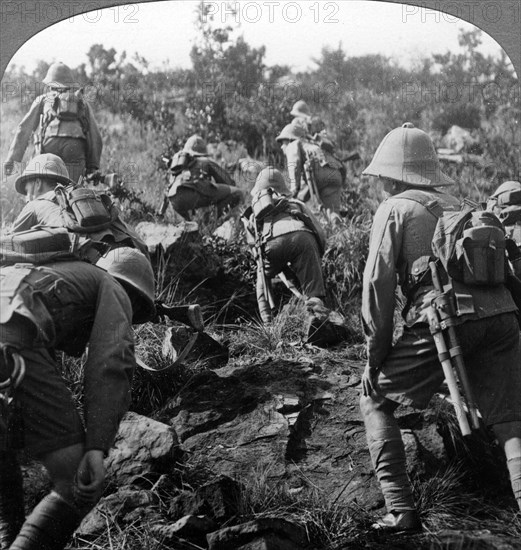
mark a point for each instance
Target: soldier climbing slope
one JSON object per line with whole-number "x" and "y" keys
{"x": 39, "y": 183}
{"x": 197, "y": 181}
{"x": 64, "y": 125}
{"x": 409, "y": 371}
{"x": 505, "y": 202}
{"x": 313, "y": 172}
{"x": 65, "y": 306}
{"x": 288, "y": 241}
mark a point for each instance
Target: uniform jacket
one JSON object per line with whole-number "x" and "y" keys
{"x": 57, "y": 128}
{"x": 45, "y": 210}
{"x": 74, "y": 304}
{"x": 302, "y": 155}
{"x": 201, "y": 174}
{"x": 402, "y": 232}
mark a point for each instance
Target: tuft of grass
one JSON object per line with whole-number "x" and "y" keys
{"x": 257, "y": 338}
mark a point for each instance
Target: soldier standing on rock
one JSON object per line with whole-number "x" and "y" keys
{"x": 197, "y": 181}
{"x": 64, "y": 306}
{"x": 64, "y": 125}
{"x": 409, "y": 371}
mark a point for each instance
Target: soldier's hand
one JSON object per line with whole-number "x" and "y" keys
{"x": 8, "y": 168}
{"x": 368, "y": 379}
{"x": 89, "y": 479}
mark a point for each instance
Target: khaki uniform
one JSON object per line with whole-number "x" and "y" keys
{"x": 80, "y": 148}
{"x": 287, "y": 240}
{"x": 65, "y": 306}
{"x": 44, "y": 210}
{"x": 409, "y": 371}
{"x": 202, "y": 183}
{"x": 305, "y": 157}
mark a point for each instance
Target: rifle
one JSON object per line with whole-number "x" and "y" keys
{"x": 441, "y": 319}
{"x": 309, "y": 178}
{"x": 264, "y": 294}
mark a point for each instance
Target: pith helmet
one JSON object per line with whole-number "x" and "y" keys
{"x": 59, "y": 75}
{"x": 195, "y": 145}
{"x": 291, "y": 132}
{"x": 301, "y": 109}
{"x": 407, "y": 154}
{"x": 47, "y": 166}
{"x": 270, "y": 177}
{"x": 132, "y": 268}
{"x": 508, "y": 189}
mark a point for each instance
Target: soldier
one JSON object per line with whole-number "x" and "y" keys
{"x": 197, "y": 181}
{"x": 506, "y": 204}
{"x": 301, "y": 111}
{"x": 64, "y": 125}
{"x": 64, "y": 306}
{"x": 307, "y": 161}
{"x": 38, "y": 183}
{"x": 284, "y": 238}
{"x": 409, "y": 371}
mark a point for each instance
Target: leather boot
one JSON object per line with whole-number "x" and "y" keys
{"x": 50, "y": 525}
{"x": 399, "y": 522}
{"x": 12, "y": 513}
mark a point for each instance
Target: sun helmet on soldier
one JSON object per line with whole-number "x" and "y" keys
{"x": 291, "y": 132}
{"x": 195, "y": 145}
{"x": 132, "y": 268}
{"x": 407, "y": 154}
{"x": 507, "y": 194}
{"x": 59, "y": 76}
{"x": 300, "y": 109}
{"x": 46, "y": 166}
{"x": 270, "y": 177}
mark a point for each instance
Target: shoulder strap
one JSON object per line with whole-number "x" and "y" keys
{"x": 425, "y": 199}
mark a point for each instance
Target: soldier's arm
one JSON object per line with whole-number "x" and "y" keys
{"x": 219, "y": 174}
{"x": 109, "y": 367}
{"x": 379, "y": 282}
{"x": 94, "y": 142}
{"x": 23, "y": 133}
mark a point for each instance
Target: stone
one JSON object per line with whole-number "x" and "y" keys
{"x": 115, "y": 507}
{"x": 262, "y": 532}
{"x": 217, "y": 499}
{"x": 191, "y": 527}
{"x": 144, "y": 448}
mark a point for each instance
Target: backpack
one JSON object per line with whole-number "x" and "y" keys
{"x": 470, "y": 243}
{"x": 37, "y": 245}
{"x": 66, "y": 106}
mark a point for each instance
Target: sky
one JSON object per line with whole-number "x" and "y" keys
{"x": 294, "y": 32}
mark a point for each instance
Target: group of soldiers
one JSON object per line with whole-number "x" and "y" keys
{"x": 64, "y": 304}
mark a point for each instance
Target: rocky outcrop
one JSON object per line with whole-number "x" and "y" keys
{"x": 298, "y": 420}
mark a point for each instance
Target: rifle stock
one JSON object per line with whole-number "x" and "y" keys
{"x": 441, "y": 315}
{"x": 188, "y": 315}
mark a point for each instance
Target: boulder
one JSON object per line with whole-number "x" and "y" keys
{"x": 144, "y": 449}
{"x": 166, "y": 236}
{"x": 179, "y": 251}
